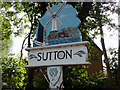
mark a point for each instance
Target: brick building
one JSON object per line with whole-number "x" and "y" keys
{"x": 96, "y": 65}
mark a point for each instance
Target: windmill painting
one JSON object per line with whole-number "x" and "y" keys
{"x": 56, "y": 22}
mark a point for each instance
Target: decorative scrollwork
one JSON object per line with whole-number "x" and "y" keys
{"x": 32, "y": 56}
{"x": 79, "y": 53}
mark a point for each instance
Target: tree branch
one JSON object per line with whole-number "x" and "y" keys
{"x": 22, "y": 47}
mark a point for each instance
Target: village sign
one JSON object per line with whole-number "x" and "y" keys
{"x": 58, "y": 42}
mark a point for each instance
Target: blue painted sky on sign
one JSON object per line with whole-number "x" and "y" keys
{"x": 67, "y": 15}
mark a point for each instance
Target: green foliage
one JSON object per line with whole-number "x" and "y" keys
{"x": 93, "y": 52}
{"x": 90, "y": 14}
{"x": 113, "y": 59}
{"x": 39, "y": 81}
{"x": 77, "y": 77}
{"x": 5, "y": 34}
{"x": 13, "y": 72}
{"x": 33, "y": 13}
{"x": 16, "y": 17}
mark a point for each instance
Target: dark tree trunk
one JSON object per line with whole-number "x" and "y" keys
{"x": 30, "y": 85}
{"x": 104, "y": 51}
{"x": 42, "y": 7}
{"x": 106, "y": 60}
{"x": 118, "y": 69}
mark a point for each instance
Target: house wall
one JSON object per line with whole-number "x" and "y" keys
{"x": 96, "y": 65}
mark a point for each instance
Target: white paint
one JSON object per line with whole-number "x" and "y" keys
{"x": 75, "y": 60}
{"x": 54, "y": 25}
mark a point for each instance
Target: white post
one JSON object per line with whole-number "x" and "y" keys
{"x": 55, "y": 75}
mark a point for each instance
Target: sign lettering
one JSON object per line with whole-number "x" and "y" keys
{"x": 53, "y": 55}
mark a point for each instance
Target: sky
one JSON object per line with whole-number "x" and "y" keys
{"x": 111, "y": 39}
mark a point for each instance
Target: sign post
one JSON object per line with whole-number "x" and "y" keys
{"x": 62, "y": 43}
{"x": 56, "y": 71}
{"x": 55, "y": 75}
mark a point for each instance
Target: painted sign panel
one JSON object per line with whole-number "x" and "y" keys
{"x": 64, "y": 15}
{"x": 61, "y": 54}
{"x": 57, "y": 18}
{"x": 66, "y": 35}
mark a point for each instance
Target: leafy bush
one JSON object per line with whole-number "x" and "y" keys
{"x": 77, "y": 77}
{"x": 13, "y": 72}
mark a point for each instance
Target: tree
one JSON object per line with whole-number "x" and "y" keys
{"x": 103, "y": 20}
{"x": 5, "y": 35}
{"x": 89, "y": 13}
{"x": 100, "y": 23}
{"x": 94, "y": 21}
{"x": 11, "y": 67}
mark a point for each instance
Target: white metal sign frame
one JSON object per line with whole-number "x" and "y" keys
{"x": 58, "y": 55}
